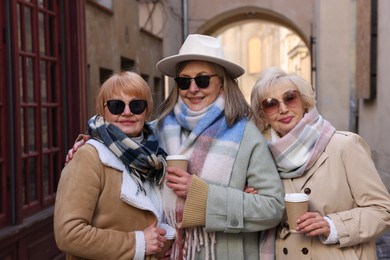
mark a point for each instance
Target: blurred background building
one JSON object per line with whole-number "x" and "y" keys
{"x": 54, "y": 55}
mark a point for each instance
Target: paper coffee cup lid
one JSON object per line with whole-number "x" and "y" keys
{"x": 171, "y": 232}
{"x": 176, "y": 157}
{"x": 296, "y": 197}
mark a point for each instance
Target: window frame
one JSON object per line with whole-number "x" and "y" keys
{"x": 34, "y": 110}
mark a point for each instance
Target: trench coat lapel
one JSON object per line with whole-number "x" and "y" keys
{"x": 299, "y": 183}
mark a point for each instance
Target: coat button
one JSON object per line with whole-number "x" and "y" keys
{"x": 307, "y": 191}
{"x": 305, "y": 251}
{"x": 285, "y": 251}
{"x": 234, "y": 222}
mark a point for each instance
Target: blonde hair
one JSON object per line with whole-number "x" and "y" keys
{"x": 128, "y": 83}
{"x": 236, "y": 106}
{"x": 272, "y": 78}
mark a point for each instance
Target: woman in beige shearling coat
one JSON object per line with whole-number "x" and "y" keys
{"x": 349, "y": 206}
{"x": 108, "y": 202}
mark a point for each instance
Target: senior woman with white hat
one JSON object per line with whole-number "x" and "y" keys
{"x": 205, "y": 118}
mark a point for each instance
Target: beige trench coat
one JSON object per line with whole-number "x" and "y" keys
{"x": 344, "y": 185}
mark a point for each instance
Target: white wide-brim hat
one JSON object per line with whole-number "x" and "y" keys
{"x": 199, "y": 47}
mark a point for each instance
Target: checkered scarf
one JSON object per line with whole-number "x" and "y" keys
{"x": 297, "y": 151}
{"x": 144, "y": 160}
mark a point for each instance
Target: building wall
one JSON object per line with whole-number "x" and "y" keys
{"x": 374, "y": 123}
{"x": 334, "y": 47}
{"x": 115, "y": 34}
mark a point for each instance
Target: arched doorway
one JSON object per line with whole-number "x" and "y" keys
{"x": 258, "y": 38}
{"x": 256, "y": 45}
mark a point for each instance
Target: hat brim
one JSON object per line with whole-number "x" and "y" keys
{"x": 168, "y": 66}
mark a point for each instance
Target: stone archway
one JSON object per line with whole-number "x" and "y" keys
{"x": 250, "y": 13}
{"x": 257, "y": 38}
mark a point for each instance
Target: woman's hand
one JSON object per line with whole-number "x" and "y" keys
{"x": 250, "y": 190}
{"x": 179, "y": 181}
{"x": 154, "y": 239}
{"x": 81, "y": 140}
{"x": 313, "y": 224}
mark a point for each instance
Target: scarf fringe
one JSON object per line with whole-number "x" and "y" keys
{"x": 194, "y": 239}
{"x": 189, "y": 241}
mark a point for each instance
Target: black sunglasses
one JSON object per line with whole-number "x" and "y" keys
{"x": 202, "y": 81}
{"x": 116, "y": 107}
{"x": 290, "y": 98}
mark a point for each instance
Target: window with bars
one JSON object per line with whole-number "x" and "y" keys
{"x": 36, "y": 161}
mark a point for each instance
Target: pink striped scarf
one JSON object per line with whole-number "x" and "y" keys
{"x": 297, "y": 151}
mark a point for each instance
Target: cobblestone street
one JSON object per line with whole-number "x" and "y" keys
{"x": 383, "y": 247}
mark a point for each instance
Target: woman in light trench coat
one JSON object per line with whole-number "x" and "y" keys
{"x": 349, "y": 206}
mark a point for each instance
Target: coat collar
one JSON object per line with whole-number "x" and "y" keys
{"x": 151, "y": 200}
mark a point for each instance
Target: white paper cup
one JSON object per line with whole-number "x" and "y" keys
{"x": 179, "y": 161}
{"x": 296, "y": 206}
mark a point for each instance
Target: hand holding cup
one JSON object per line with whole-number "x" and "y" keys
{"x": 178, "y": 179}
{"x": 296, "y": 206}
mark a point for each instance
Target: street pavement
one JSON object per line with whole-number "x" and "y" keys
{"x": 383, "y": 247}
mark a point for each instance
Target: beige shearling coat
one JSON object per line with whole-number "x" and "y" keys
{"x": 345, "y": 186}
{"x": 91, "y": 221}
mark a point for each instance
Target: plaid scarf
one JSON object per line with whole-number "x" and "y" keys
{"x": 205, "y": 138}
{"x": 296, "y": 152}
{"x": 145, "y": 161}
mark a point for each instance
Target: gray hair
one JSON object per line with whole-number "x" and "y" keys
{"x": 273, "y": 77}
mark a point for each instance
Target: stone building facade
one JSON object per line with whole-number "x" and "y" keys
{"x": 48, "y": 79}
